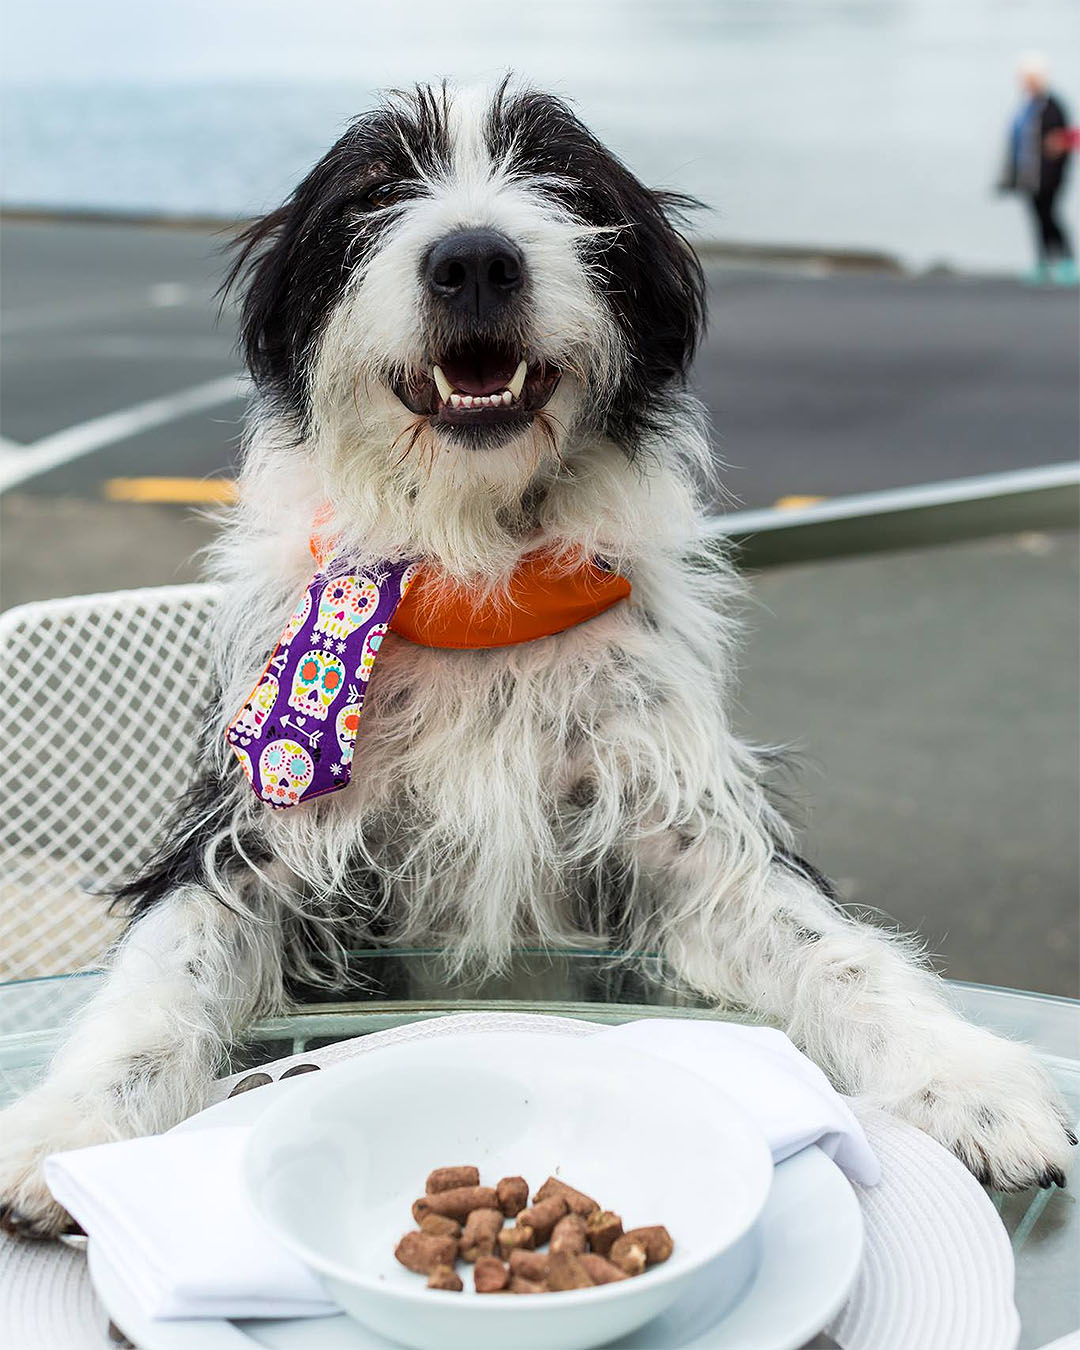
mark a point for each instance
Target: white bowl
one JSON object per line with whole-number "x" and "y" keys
{"x": 333, "y": 1169}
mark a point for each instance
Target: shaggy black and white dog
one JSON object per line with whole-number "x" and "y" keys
{"x": 469, "y": 329}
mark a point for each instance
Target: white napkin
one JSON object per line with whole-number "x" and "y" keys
{"x": 171, "y": 1215}
{"x": 785, "y": 1094}
{"x": 172, "y": 1218}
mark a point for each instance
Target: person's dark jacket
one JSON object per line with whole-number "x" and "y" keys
{"x": 1028, "y": 166}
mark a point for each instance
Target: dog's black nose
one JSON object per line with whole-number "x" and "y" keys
{"x": 475, "y": 271}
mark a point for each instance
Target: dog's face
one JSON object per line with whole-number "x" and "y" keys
{"x": 474, "y": 274}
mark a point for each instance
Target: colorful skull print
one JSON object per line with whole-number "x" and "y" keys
{"x": 346, "y": 726}
{"x": 372, "y": 643}
{"x": 251, "y": 719}
{"x": 286, "y": 771}
{"x": 346, "y": 602}
{"x": 297, "y": 619}
{"x": 318, "y": 681}
{"x": 245, "y": 763}
{"x": 407, "y": 578}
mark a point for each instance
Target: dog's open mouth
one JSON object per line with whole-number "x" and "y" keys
{"x": 479, "y": 385}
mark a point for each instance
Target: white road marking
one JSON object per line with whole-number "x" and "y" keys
{"x": 85, "y": 437}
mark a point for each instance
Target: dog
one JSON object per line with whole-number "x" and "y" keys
{"x": 469, "y": 329}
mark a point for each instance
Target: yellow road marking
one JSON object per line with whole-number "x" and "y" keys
{"x": 794, "y": 502}
{"x": 194, "y": 491}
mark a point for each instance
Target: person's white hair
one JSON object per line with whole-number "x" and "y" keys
{"x": 1034, "y": 65}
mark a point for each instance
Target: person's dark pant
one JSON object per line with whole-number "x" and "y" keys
{"x": 1051, "y": 241}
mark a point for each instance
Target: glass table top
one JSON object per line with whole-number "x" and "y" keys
{"x": 390, "y": 988}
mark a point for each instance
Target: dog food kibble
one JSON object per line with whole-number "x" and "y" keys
{"x": 529, "y": 1265}
{"x": 458, "y": 1219}
{"x": 422, "y": 1252}
{"x": 543, "y": 1217}
{"x": 628, "y": 1255}
{"x": 602, "y": 1228}
{"x": 490, "y": 1276}
{"x": 511, "y": 1238}
{"x": 440, "y": 1225}
{"x": 513, "y": 1193}
{"x": 600, "y": 1270}
{"x": 482, "y": 1227}
{"x": 458, "y": 1203}
{"x": 445, "y": 1277}
{"x": 568, "y": 1235}
{"x": 451, "y": 1179}
{"x": 576, "y": 1201}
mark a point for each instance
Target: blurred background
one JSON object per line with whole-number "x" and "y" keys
{"x": 875, "y": 327}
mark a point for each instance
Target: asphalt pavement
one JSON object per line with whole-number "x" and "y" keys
{"x": 933, "y": 695}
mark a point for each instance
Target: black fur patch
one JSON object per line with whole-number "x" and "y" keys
{"x": 808, "y": 872}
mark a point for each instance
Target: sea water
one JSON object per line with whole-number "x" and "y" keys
{"x": 871, "y": 124}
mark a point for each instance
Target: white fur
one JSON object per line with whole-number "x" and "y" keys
{"x": 487, "y": 785}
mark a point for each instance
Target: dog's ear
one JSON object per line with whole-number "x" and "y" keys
{"x": 260, "y": 266}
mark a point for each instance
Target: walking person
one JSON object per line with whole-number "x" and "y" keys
{"x": 1036, "y": 160}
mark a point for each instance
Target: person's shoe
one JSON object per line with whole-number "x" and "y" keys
{"x": 1065, "y": 272}
{"x": 1039, "y": 275}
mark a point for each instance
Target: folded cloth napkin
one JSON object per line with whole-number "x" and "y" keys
{"x": 172, "y": 1217}
{"x": 785, "y": 1094}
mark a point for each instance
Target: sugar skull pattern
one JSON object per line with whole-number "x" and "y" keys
{"x": 372, "y": 643}
{"x": 318, "y": 680}
{"x": 249, "y": 723}
{"x": 347, "y": 725}
{"x": 302, "y": 710}
{"x": 345, "y": 604}
{"x": 285, "y": 772}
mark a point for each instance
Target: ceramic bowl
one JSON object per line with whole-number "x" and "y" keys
{"x": 334, "y": 1167}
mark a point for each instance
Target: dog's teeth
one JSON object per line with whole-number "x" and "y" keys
{"x": 466, "y": 400}
{"x": 517, "y": 384}
{"x": 507, "y": 397}
{"x": 455, "y": 400}
{"x": 442, "y": 384}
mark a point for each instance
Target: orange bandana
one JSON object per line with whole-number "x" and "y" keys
{"x": 543, "y": 598}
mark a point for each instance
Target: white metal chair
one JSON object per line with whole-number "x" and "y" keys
{"x": 99, "y": 698}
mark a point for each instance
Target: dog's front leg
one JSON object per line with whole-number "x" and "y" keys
{"x": 143, "y": 1053}
{"x": 862, "y": 1005}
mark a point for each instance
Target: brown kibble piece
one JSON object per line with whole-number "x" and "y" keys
{"x": 445, "y": 1277}
{"x": 440, "y": 1225}
{"x": 566, "y": 1271}
{"x": 602, "y": 1227}
{"x": 577, "y": 1202}
{"x": 628, "y": 1255}
{"x": 481, "y": 1229}
{"x": 530, "y": 1265}
{"x": 513, "y": 1193}
{"x": 456, "y": 1204}
{"x": 543, "y": 1217}
{"x": 451, "y": 1179}
{"x": 520, "y": 1285}
{"x": 510, "y": 1239}
{"x": 490, "y": 1275}
{"x": 601, "y": 1271}
{"x": 656, "y": 1241}
{"x": 422, "y": 1252}
{"x": 568, "y": 1235}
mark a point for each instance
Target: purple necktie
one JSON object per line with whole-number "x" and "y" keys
{"x": 295, "y": 734}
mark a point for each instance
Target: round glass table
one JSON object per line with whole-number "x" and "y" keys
{"x": 391, "y": 988}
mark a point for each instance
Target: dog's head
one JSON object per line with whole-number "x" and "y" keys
{"x": 472, "y": 277}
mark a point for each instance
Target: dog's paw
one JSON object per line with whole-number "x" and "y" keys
{"x": 997, "y": 1110}
{"x": 40, "y": 1124}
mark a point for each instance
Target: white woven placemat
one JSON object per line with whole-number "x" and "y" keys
{"x": 937, "y": 1272}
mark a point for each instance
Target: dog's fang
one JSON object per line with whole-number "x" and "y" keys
{"x": 517, "y": 384}
{"x": 441, "y": 383}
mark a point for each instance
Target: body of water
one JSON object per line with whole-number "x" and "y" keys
{"x": 843, "y": 123}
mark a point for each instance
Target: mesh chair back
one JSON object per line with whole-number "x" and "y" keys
{"x": 99, "y": 699}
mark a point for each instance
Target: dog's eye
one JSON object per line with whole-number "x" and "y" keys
{"x": 383, "y": 194}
